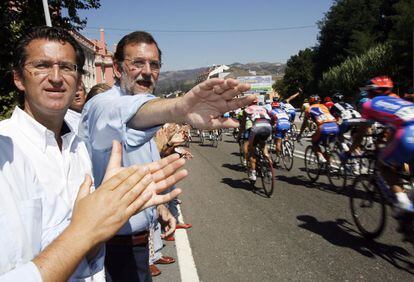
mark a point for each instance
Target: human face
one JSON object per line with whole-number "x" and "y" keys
{"x": 79, "y": 101}
{"x": 138, "y": 80}
{"x": 48, "y": 93}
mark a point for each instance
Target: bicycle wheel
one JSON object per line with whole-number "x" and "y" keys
{"x": 287, "y": 154}
{"x": 266, "y": 173}
{"x": 368, "y": 207}
{"x": 336, "y": 171}
{"x": 312, "y": 165}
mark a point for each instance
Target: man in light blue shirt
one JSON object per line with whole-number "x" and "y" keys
{"x": 133, "y": 120}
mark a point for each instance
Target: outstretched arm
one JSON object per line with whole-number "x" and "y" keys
{"x": 290, "y": 98}
{"x": 201, "y": 107}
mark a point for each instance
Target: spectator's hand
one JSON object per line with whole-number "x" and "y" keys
{"x": 184, "y": 153}
{"x": 167, "y": 220}
{"x": 202, "y": 107}
{"x": 124, "y": 192}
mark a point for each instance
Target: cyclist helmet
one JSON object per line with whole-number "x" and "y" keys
{"x": 327, "y": 99}
{"x": 275, "y": 99}
{"x": 275, "y": 105}
{"x": 378, "y": 86}
{"x": 314, "y": 99}
{"x": 337, "y": 97}
{"x": 305, "y": 100}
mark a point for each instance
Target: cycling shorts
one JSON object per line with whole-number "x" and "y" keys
{"x": 281, "y": 128}
{"x": 347, "y": 125}
{"x": 325, "y": 131}
{"x": 246, "y": 134}
{"x": 400, "y": 149}
{"x": 260, "y": 132}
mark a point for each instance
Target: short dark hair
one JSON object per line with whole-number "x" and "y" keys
{"x": 135, "y": 37}
{"x": 49, "y": 33}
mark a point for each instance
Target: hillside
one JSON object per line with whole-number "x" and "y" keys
{"x": 184, "y": 80}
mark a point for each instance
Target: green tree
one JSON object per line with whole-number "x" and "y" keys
{"x": 350, "y": 28}
{"x": 19, "y": 15}
{"x": 354, "y": 71}
{"x": 401, "y": 38}
{"x": 299, "y": 72}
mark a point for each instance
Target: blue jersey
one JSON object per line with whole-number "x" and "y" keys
{"x": 389, "y": 110}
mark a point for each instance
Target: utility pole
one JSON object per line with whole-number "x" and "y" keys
{"x": 47, "y": 14}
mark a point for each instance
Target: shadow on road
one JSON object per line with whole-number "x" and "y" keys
{"x": 237, "y": 183}
{"x": 243, "y": 184}
{"x": 340, "y": 233}
{"x": 236, "y": 167}
{"x": 303, "y": 180}
{"x": 236, "y": 154}
{"x": 299, "y": 180}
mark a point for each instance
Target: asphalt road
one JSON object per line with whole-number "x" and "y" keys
{"x": 302, "y": 233}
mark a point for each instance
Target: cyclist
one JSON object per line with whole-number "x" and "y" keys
{"x": 326, "y": 123}
{"x": 256, "y": 129}
{"x": 268, "y": 105}
{"x": 398, "y": 115}
{"x": 346, "y": 117}
{"x": 305, "y": 106}
{"x": 288, "y": 108}
{"x": 281, "y": 125}
{"x": 327, "y": 101}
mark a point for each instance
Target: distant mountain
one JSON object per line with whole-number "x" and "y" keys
{"x": 184, "y": 80}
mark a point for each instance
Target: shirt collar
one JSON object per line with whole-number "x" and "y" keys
{"x": 35, "y": 131}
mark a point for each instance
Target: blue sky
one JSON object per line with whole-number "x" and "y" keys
{"x": 170, "y": 20}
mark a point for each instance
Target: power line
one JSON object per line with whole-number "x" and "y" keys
{"x": 209, "y": 31}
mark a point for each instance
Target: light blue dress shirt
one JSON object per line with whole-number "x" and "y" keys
{"x": 104, "y": 118}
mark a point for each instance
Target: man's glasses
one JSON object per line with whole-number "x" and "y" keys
{"x": 41, "y": 67}
{"x": 138, "y": 64}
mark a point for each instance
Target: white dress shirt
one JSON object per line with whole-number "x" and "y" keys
{"x": 60, "y": 173}
{"x": 73, "y": 118}
{"x": 30, "y": 217}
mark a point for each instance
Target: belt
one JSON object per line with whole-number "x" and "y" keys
{"x": 139, "y": 239}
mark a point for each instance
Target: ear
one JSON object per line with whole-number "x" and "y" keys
{"x": 18, "y": 81}
{"x": 117, "y": 69}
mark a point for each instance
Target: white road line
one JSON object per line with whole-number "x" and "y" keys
{"x": 301, "y": 155}
{"x": 188, "y": 270}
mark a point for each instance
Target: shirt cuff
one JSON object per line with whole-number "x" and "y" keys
{"x": 25, "y": 272}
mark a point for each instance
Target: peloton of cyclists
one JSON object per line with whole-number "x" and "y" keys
{"x": 255, "y": 128}
{"x": 326, "y": 124}
{"x": 397, "y": 114}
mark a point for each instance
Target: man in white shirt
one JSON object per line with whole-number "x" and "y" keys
{"x": 48, "y": 67}
{"x": 73, "y": 114}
